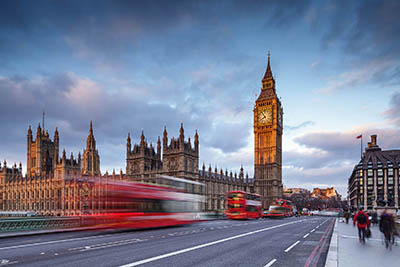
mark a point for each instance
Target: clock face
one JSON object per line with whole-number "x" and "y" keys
{"x": 265, "y": 115}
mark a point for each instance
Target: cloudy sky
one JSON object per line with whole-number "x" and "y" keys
{"x": 133, "y": 65}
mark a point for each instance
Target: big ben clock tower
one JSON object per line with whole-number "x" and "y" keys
{"x": 268, "y": 119}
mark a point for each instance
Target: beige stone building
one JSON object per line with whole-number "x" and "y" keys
{"x": 53, "y": 185}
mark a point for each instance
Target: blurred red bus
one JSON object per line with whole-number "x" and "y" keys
{"x": 287, "y": 205}
{"x": 282, "y": 208}
{"x": 134, "y": 205}
{"x": 243, "y": 205}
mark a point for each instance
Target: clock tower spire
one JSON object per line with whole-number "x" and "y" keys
{"x": 268, "y": 129}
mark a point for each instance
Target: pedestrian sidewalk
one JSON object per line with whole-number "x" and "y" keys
{"x": 346, "y": 251}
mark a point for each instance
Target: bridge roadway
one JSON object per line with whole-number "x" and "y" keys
{"x": 293, "y": 241}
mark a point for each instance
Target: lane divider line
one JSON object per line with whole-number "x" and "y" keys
{"x": 312, "y": 230}
{"x": 306, "y": 235}
{"x": 136, "y": 263}
{"x": 55, "y": 241}
{"x": 270, "y": 263}
{"x": 292, "y": 246}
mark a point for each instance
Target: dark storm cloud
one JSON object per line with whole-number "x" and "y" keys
{"x": 102, "y": 31}
{"x": 368, "y": 32}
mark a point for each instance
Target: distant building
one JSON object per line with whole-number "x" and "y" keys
{"x": 325, "y": 194}
{"x": 288, "y": 192}
{"x": 374, "y": 181}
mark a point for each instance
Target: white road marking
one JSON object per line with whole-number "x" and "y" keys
{"x": 136, "y": 263}
{"x": 7, "y": 262}
{"x": 53, "y": 242}
{"x": 292, "y": 246}
{"x": 108, "y": 244}
{"x": 312, "y": 230}
{"x": 270, "y": 263}
{"x": 306, "y": 235}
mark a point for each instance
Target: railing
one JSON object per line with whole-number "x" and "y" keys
{"x": 325, "y": 213}
{"x": 39, "y": 223}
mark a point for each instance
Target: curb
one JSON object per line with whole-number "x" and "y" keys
{"x": 332, "y": 257}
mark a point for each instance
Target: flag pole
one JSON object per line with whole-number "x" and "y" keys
{"x": 361, "y": 147}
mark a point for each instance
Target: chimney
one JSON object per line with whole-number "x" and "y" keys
{"x": 373, "y": 140}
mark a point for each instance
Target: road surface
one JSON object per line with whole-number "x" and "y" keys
{"x": 292, "y": 241}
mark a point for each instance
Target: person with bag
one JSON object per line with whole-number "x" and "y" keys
{"x": 363, "y": 223}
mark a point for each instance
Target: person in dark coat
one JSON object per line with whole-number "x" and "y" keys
{"x": 387, "y": 227}
{"x": 347, "y": 216}
{"x": 362, "y": 223}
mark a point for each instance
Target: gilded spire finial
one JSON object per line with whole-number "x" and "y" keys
{"x": 91, "y": 128}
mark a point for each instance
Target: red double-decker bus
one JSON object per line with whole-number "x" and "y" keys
{"x": 287, "y": 206}
{"x": 133, "y": 205}
{"x": 243, "y": 205}
{"x": 281, "y": 208}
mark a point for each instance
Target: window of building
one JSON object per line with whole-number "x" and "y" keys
{"x": 390, "y": 180}
{"x": 390, "y": 171}
{"x": 370, "y": 172}
{"x": 380, "y": 172}
{"x": 370, "y": 181}
{"x": 380, "y": 180}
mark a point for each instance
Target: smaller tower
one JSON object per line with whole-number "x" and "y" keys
{"x": 91, "y": 158}
{"x": 128, "y": 144}
{"x": 159, "y": 147}
{"x": 165, "y": 138}
{"x": 196, "y": 142}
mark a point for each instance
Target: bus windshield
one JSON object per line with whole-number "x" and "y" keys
{"x": 235, "y": 195}
{"x": 276, "y": 209}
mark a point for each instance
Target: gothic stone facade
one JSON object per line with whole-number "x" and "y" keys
{"x": 53, "y": 185}
{"x": 180, "y": 158}
{"x": 268, "y": 127}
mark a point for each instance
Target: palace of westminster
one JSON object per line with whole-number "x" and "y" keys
{"x": 57, "y": 185}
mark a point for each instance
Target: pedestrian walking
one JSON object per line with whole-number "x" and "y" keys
{"x": 347, "y": 216}
{"x": 362, "y": 223}
{"x": 387, "y": 227}
{"x": 374, "y": 219}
